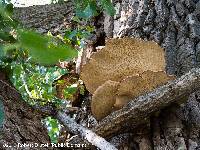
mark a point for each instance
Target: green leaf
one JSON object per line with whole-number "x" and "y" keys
{"x": 54, "y": 123}
{"x": 71, "y": 90}
{"x": 35, "y": 81}
{"x": 70, "y": 34}
{"x": 9, "y": 9}
{"x": 5, "y": 16}
{"x": 5, "y": 36}
{"x": 108, "y": 6}
{"x": 8, "y": 47}
{"x": 90, "y": 29}
{"x": 31, "y": 39}
{"x": 76, "y": 19}
{"x": 43, "y": 51}
{"x": 53, "y": 129}
{"x": 88, "y": 12}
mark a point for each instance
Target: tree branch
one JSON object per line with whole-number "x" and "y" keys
{"x": 85, "y": 133}
{"x": 139, "y": 109}
{"x": 136, "y": 112}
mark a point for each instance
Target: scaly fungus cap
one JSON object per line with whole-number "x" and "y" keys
{"x": 121, "y": 58}
{"x": 133, "y": 86}
{"x": 155, "y": 79}
{"x": 129, "y": 88}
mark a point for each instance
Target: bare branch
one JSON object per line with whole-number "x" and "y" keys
{"x": 139, "y": 109}
{"x": 85, "y": 133}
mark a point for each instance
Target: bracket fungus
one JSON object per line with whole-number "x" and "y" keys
{"x": 121, "y": 58}
{"x": 130, "y": 87}
{"x": 123, "y": 70}
{"x": 103, "y": 99}
{"x": 133, "y": 86}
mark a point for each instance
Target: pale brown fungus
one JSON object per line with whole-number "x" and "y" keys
{"x": 120, "y": 72}
{"x": 129, "y": 88}
{"x": 103, "y": 99}
{"x": 155, "y": 79}
{"x": 133, "y": 86}
{"x": 121, "y": 58}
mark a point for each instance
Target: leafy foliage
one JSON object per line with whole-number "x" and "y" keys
{"x": 88, "y": 8}
{"x": 53, "y": 127}
{"x": 30, "y": 57}
{"x": 21, "y": 50}
{"x": 77, "y": 36}
{"x": 7, "y": 24}
{"x": 69, "y": 91}
{"x": 44, "y": 50}
{"x": 108, "y": 7}
{"x": 35, "y": 82}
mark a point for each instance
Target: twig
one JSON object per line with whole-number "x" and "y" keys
{"x": 85, "y": 133}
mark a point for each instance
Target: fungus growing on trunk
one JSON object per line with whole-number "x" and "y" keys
{"x": 121, "y": 58}
{"x": 120, "y": 72}
{"x": 103, "y": 99}
{"x": 129, "y": 88}
{"x": 134, "y": 86}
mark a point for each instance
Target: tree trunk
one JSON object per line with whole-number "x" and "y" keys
{"x": 53, "y": 17}
{"x": 22, "y": 125}
{"x": 175, "y": 25}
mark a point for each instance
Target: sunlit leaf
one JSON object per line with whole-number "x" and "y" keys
{"x": 53, "y": 129}
{"x": 43, "y": 51}
{"x": 71, "y": 90}
{"x": 35, "y": 81}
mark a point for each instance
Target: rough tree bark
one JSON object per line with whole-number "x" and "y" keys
{"x": 175, "y": 25}
{"x": 53, "y": 17}
{"x": 22, "y": 125}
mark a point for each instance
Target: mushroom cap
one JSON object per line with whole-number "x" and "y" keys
{"x": 155, "y": 79}
{"x": 129, "y": 88}
{"x": 103, "y": 99}
{"x": 121, "y": 58}
{"x": 133, "y": 86}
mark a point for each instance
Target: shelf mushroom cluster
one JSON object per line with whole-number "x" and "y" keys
{"x": 123, "y": 70}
